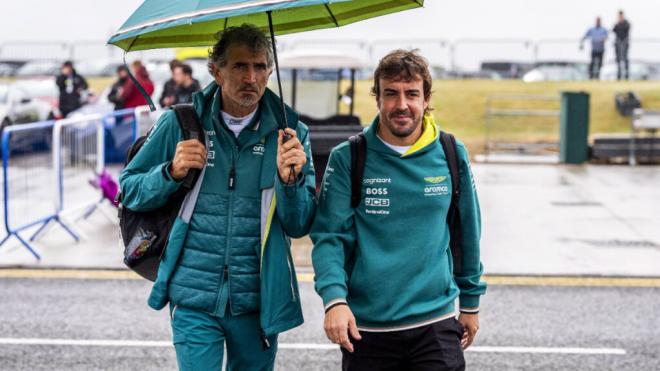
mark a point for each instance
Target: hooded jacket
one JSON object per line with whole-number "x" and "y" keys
{"x": 389, "y": 258}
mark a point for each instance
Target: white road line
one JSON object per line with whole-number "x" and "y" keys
{"x": 548, "y": 350}
{"x": 299, "y": 346}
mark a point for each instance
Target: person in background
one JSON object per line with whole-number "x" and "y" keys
{"x": 186, "y": 85}
{"x": 167, "y": 97}
{"x": 117, "y": 88}
{"x": 130, "y": 94}
{"x": 622, "y": 32}
{"x": 598, "y": 36}
{"x": 72, "y": 87}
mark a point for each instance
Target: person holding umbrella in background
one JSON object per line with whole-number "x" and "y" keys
{"x": 233, "y": 283}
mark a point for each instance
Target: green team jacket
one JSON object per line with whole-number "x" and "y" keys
{"x": 284, "y": 211}
{"x": 389, "y": 258}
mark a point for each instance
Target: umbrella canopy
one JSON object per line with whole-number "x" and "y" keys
{"x": 178, "y": 23}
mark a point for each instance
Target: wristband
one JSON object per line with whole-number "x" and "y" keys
{"x": 334, "y": 305}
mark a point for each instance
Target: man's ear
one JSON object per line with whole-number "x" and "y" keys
{"x": 426, "y": 103}
{"x": 217, "y": 76}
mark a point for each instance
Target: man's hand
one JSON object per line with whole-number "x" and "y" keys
{"x": 289, "y": 153}
{"x": 190, "y": 154}
{"x": 470, "y": 323}
{"x": 339, "y": 322}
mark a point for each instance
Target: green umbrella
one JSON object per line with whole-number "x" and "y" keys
{"x": 180, "y": 23}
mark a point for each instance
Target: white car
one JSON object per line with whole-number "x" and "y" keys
{"x": 18, "y": 106}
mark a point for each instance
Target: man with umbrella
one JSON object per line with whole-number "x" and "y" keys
{"x": 233, "y": 282}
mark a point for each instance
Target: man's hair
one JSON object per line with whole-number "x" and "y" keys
{"x": 245, "y": 34}
{"x": 186, "y": 69}
{"x": 405, "y": 65}
{"x": 174, "y": 63}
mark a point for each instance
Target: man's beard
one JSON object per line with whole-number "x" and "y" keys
{"x": 406, "y": 131}
{"x": 247, "y": 100}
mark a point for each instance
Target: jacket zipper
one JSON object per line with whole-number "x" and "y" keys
{"x": 231, "y": 184}
{"x": 288, "y": 262}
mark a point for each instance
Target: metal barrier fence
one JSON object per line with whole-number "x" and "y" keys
{"x": 79, "y": 157}
{"x": 145, "y": 119}
{"x": 525, "y": 125}
{"x": 49, "y": 169}
{"x": 28, "y": 175}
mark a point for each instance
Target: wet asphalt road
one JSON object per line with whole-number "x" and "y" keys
{"x": 626, "y": 319}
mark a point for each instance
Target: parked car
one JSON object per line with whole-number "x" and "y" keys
{"x": 42, "y": 89}
{"x": 554, "y": 73}
{"x": 506, "y": 69}
{"x": 39, "y": 69}
{"x": 17, "y": 106}
{"x": 311, "y": 85}
{"x": 8, "y": 68}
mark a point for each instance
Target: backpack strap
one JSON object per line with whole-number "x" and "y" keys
{"x": 358, "y": 145}
{"x": 453, "y": 220}
{"x": 191, "y": 128}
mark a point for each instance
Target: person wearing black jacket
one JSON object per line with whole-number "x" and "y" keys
{"x": 115, "y": 92}
{"x": 186, "y": 84}
{"x": 622, "y": 31}
{"x": 169, "y": 89}
{"x": 71, "y": 86}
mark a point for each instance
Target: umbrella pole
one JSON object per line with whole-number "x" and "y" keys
{"x": 277, "y": 72}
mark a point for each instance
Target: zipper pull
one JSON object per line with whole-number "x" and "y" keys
{"x": 265, "y": 344}
{"x": 232, "y": 178}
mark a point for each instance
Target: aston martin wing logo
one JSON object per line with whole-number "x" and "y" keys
{"x": 435, "y": 179}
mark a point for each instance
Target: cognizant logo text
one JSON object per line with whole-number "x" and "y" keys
{"x": 370, "y": 181}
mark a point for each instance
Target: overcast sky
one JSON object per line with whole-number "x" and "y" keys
{"x": 70, "y": 20}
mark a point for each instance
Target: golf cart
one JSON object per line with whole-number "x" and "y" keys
{"x": 314, "y": 85}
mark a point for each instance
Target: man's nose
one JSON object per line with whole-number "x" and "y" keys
{"x": 401, "y": 102}
{"x": 251, "y": 75}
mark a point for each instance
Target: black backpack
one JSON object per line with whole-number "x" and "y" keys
{"x": 145, "y": 233}
{"x": 358, "y": 145}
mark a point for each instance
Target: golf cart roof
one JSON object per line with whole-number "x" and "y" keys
{"x": 320, "y": 59}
